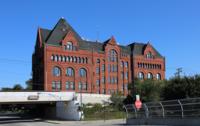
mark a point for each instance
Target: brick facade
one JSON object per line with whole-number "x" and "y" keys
{"x": 63, "y": 61}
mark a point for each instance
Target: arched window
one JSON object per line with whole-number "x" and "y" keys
{"x": 158, "y": 76}
{"x": 126, "y": 64}
{"x": 69, "y": 72}
{"x": 69, "y": 46}
{"x": 82, "y": 72}
{"x": 112, "y": 56}
{"x": 122, "y": 64}
{"x": 149, "y": 55}
{"x": 149, "y": 76}
{"x": 141, "y": 75}
{"x": 56, "y": 71}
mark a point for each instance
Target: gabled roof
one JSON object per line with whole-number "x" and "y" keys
{"x": 138, "y": 49}
{"x": 57, "y": 34}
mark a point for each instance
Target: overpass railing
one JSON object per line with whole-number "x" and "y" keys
{"x": 182, "y": 108}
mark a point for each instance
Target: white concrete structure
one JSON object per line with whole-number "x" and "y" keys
{"x": 67, "y": 103}
{"x": 92, "y": 98}
{"x": 17, "y": 97}
{"x": 68, "y": 111}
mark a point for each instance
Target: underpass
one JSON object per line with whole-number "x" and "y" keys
{"x": 57, "y": 105}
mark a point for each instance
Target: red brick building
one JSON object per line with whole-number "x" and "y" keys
{"x": 63, "y": 61}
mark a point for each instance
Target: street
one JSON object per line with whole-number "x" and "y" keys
{"x": 38, "y": 122}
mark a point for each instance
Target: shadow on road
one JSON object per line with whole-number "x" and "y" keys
{"x": 6, "y": 119}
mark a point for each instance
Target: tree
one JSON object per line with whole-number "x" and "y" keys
{"x": 6, "y": 89}
{"x": 29, "y": 84}
{"x": 117, "y": 100}
{"x": 182, "y": 87}
{"x": 17, "y": 87}
{"x": 149, "y": 90}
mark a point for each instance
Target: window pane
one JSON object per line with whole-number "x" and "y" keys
{"x": 56, "y": 71}
{"x": 72, "y": 85}
{"x": 67, "y": 85}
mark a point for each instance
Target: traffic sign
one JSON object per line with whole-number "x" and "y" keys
{"x": 138, "y": 103}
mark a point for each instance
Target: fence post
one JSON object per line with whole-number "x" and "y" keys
{"x": 163, "y": 110}
{"x": 146, "y": 110}
{"x": 135, "y": 111}
{"x": 124, "y": 106}
{"x": 182, "y": 114}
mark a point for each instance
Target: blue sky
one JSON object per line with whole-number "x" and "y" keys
{"x": 172, "y": 27}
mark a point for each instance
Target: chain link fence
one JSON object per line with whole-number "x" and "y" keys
{"x": 182, "y": 108}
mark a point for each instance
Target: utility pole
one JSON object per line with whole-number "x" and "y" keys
{"x": 178, "y": 72}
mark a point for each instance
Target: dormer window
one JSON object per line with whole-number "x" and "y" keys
{"x": 69, "y": 46}
{"x": 149, "y": 55}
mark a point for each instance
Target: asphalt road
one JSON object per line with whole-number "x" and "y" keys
{"x": 37, "y": 122}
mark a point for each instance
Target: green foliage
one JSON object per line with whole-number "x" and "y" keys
{"x": 174, "y": 88}
{"x": 29, "y": 84}
{"x": 16, "y": 87}
{"x": 100, "y": 112}
{"x": 149, "y": 90}
{"x": 117, "y": 100}
{"x": 129, "y": 100}
{"x": 184, "y": 87}
{"x": 6, "y": 89}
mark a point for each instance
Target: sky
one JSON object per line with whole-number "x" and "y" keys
{"x": 171, "y": 26}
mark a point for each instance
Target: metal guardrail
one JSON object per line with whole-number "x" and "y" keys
{"x": 182, "y": 108}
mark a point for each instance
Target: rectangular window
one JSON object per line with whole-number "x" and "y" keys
{"x": 103, "y": 68}
{"x": 112, "y": 80}
{"x": 113, "y": 68}
{"x": 67, "y": 85}
{"x": 126, "y": 64}
{"x": 103, "y": 80}
{"x": 122, "y": 75}
{"x": 58, "y": 85}
{"x": 97, "y": 70}
{"x": 109, "y": 68}
{"x": 97, "y": 82}
{"x": 125, "y": 86}
{"x": 122, "y": 64}
{"x": 126, "y": 75}
{"x": 72, "y": 85}
{"x": 79, "y": 85}
{"x": 84, "y": 86}
{"x": 115, "y": 80}
{"x": 53, "y": 86}
{"x": 109, "y": 79}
